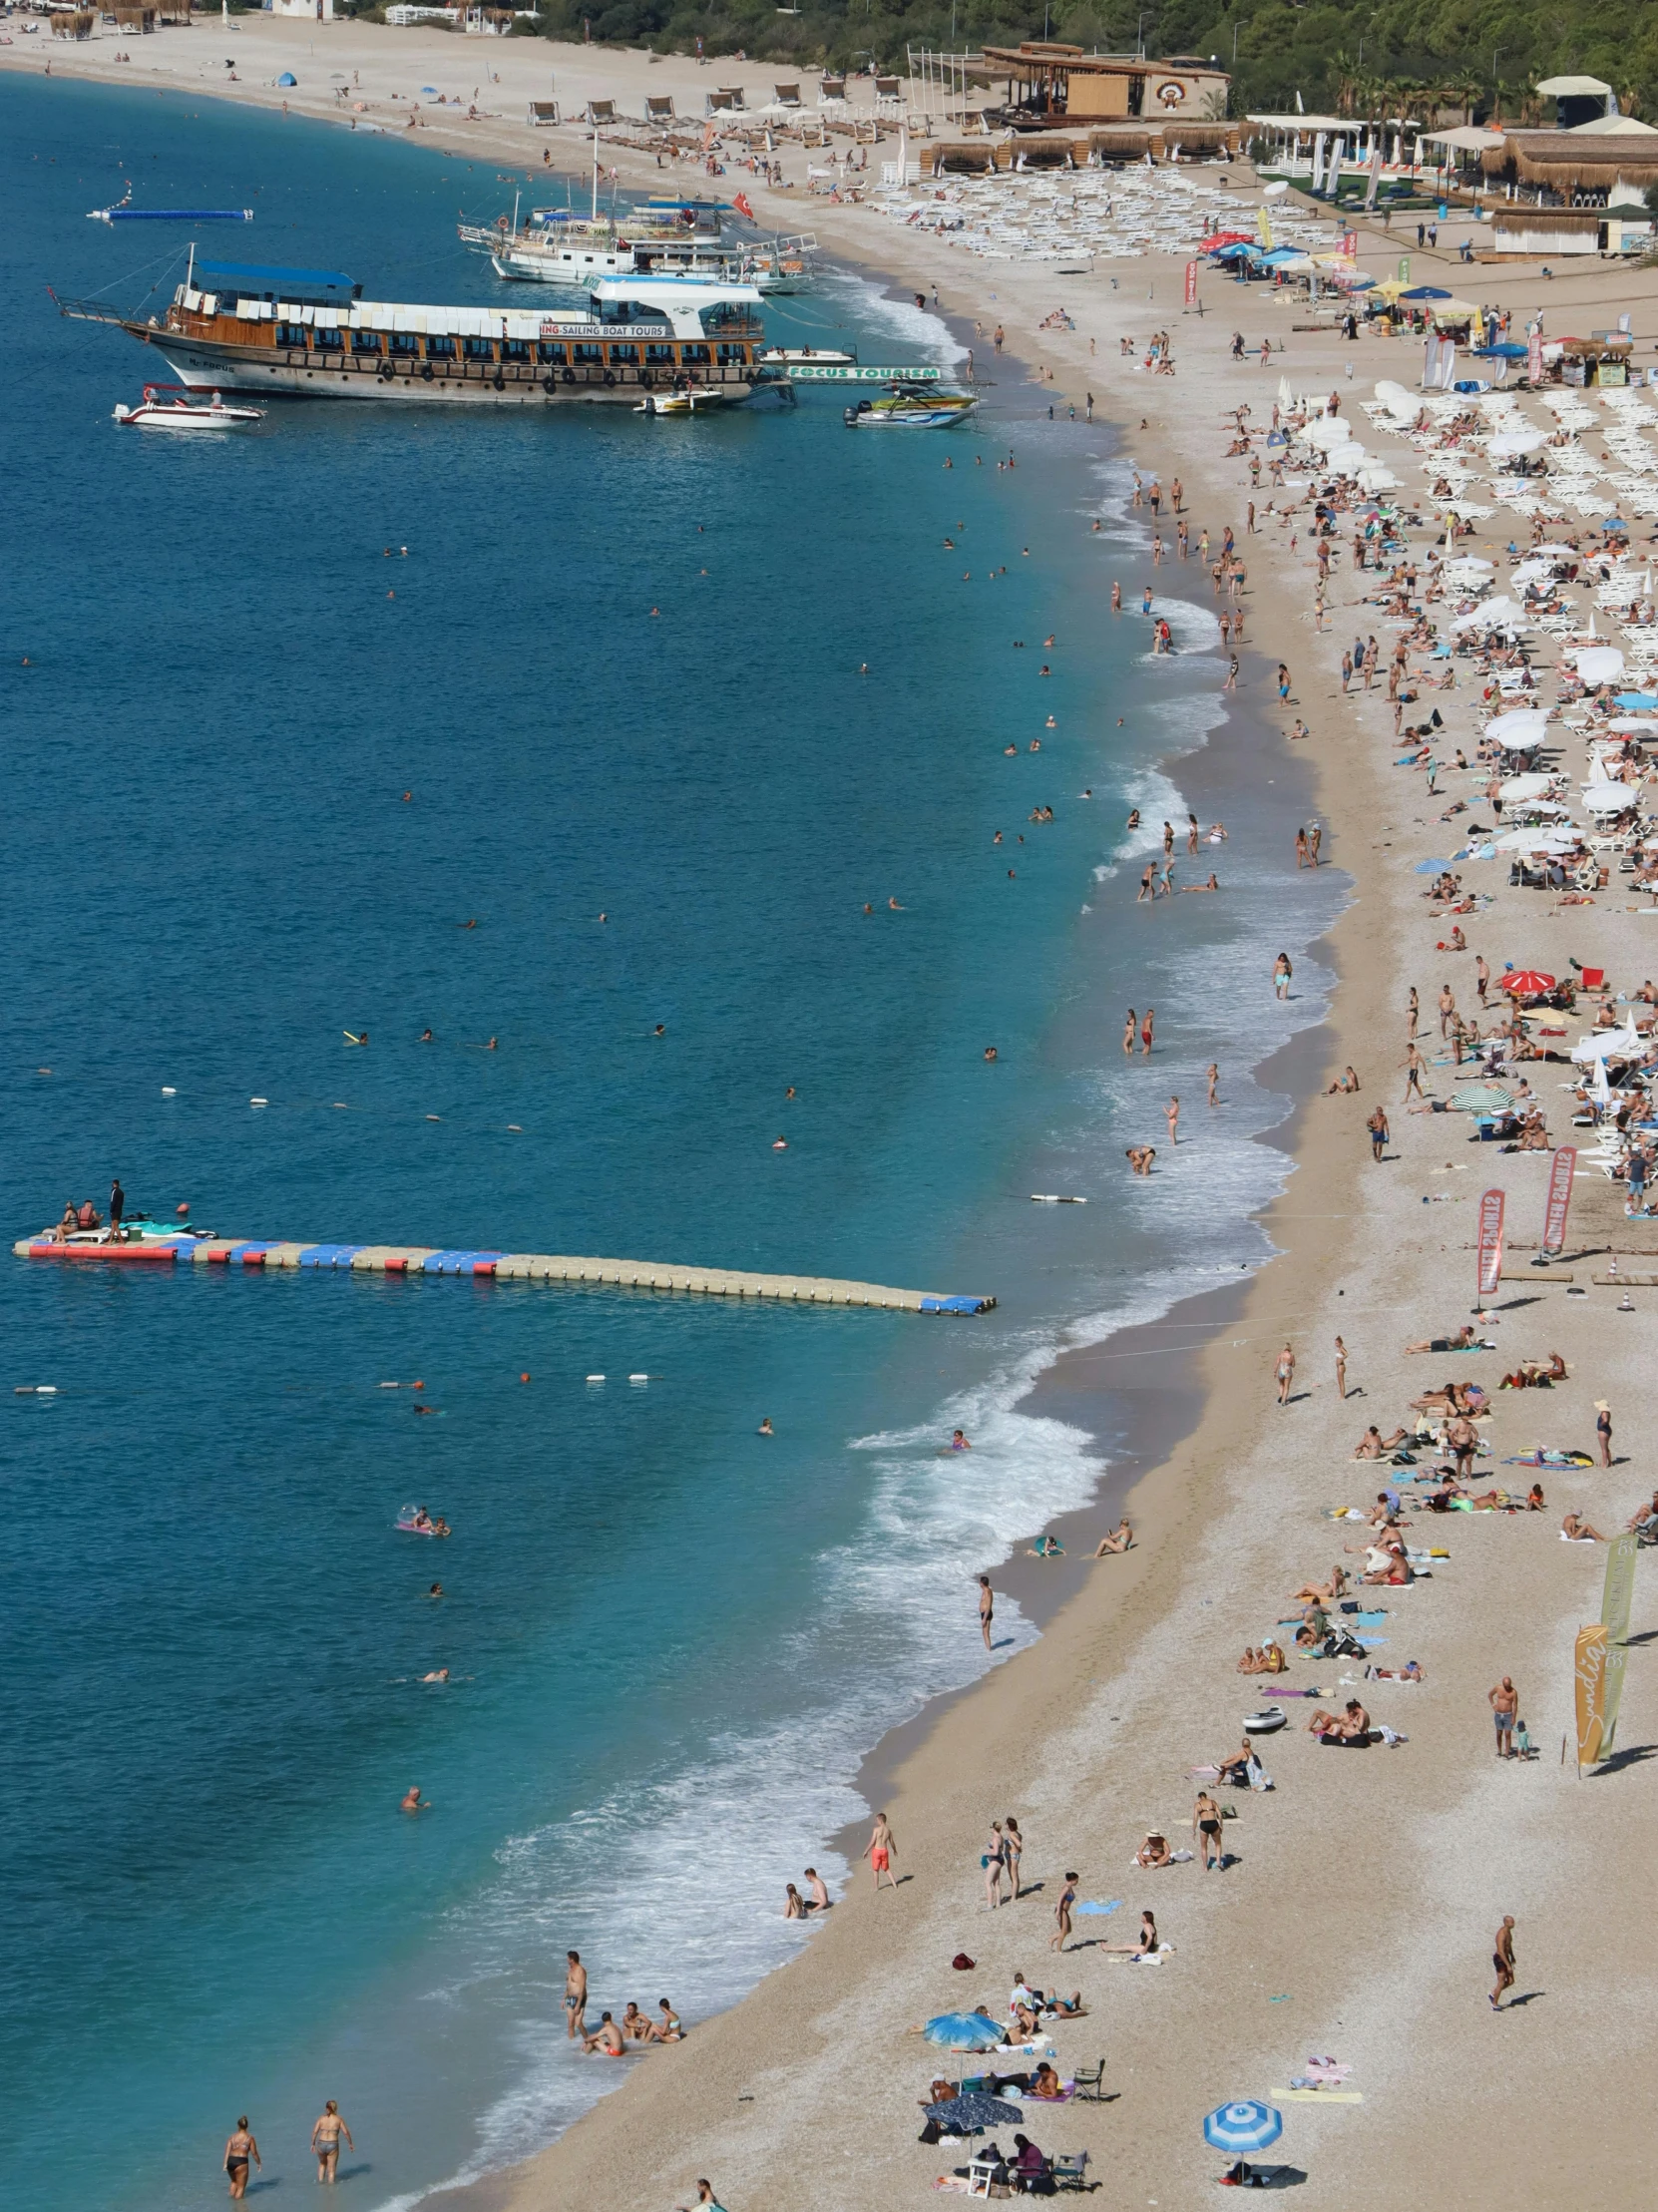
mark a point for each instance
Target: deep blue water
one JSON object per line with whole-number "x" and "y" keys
{"x": 618, "y": 672}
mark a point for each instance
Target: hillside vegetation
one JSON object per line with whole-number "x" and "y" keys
{"x": 1481, "y": 56}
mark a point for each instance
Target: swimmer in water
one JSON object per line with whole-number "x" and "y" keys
{"x": 765, "y": 1428}
{"x": 959, "y": 1443}
{"x": 894, "y": 906}
{"x": 441, "y": 1675}
{"x": 351, "y": 1036}
{"x": 436, "y": 1591}
{"x": 989, "y": 1051}
{"x": 426, "y": 1037}
{"x": 413, "y": 1802}
{"x": 661, "y": 1030}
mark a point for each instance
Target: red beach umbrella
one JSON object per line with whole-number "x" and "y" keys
{"x": 1527, "y": 983}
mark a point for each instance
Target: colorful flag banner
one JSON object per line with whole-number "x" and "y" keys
{"x": 1191, "y": 284}
{"x": 1589, "y": 1666}
{"x": 1559, "y": 1199}
{"x": 1490, "y": 1245}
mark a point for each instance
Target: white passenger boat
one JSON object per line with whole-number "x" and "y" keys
{"x": 670, "y": 237}
{"x": 155, "y": 413}
{"x": 308, "y": 332}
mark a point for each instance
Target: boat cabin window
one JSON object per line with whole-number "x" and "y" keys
{"x": 660, "y": 356}
{"x": 725, "y": 316}
{"x": 440, "y": 350}
{"x": 591, "y": 356}
{"x": 733, "y": 355}
{"x": 479, "y": 349}
{"x": 403, "y": 345}
{"x": 515, "y": 349}
{"x": 625, "y": 356}
{"x": 328, "y": 341}
{"x": 695, "y": 354}
{"x": 547, "y": 350}
{"x": 365, "y": 341}
{"x": 290, "y": 333}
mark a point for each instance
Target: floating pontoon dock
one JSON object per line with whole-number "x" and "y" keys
{"x": 519, "y": 1268}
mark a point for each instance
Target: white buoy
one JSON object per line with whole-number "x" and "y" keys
{"x": 638, "y": 1378}
{"x": 168, "y": 1090}
{"x": 258, "y": 1101}
{"x": 596, "y": 1378}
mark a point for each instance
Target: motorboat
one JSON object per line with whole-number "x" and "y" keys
{"x": 686, "y": 400}
{"x": 156, "y": 413}
{"x": 911, "y": 407}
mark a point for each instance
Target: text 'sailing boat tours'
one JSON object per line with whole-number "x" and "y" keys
{"x": 156, "y": 413}
{"x": 308, "y": 332}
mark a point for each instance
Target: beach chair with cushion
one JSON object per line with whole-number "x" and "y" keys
{"x": 1090, "y": 2083}
{"x": 1071, "y": 2170}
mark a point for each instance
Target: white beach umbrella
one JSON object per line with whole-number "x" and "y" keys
{"x": 1528, "y": 786}
{"x": 1608, "y": 798}
{"x": 1520, "y": 725}
{"x": 1467, "y": 567}
{"x": 1494, "y": 614}
{"x": 1598, "y": 663}
{"x": 1618, "y": 1044}
{"x": 1537, "y": 840}
{"x": 1507, "y": 444}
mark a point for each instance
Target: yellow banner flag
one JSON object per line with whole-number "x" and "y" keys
{"x": 1477, "y": 329}
{"x": 1266, "y": 231}
{"x": 1589, "y": 1666}
{"x": 1614, "y": 1611}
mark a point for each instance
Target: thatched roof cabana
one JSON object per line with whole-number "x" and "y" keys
{"x": 1574, "y": 161}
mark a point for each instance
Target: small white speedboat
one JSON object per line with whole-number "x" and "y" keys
{"x": 688, "y": 400}
{"x": 156, "y": 413}
{"x": 911, "y": 407}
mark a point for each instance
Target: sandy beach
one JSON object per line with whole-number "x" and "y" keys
{"x": 1356, "y": 1916}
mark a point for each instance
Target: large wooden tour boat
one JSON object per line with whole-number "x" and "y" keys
{"x": 309, "y": 333}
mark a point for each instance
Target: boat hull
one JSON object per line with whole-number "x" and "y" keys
{"x": 209, "y": 369}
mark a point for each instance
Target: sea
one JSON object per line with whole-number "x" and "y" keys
{"x": 689, "y": 781}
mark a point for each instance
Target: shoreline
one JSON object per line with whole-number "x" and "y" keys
{"x": 1432, "y": 1845}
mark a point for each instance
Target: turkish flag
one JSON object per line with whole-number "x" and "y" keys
{"x": 742, "y": 207}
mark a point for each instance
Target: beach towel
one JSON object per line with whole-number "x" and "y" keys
{"x": 1113, "y": 1907}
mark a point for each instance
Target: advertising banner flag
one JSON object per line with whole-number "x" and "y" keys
{"x": 1191, "y": 284}
{"x": 1535, "y": 354}
{"x": 1559, "y": 1199}
{"x": 1490, "y": 1245}
{"x": 1589, "y": 1666}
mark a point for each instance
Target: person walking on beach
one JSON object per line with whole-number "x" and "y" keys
{"x": 1447, "y": 1008}
{"x": 576, "y": 1996}
{"x": 1129, "y": 1029}
{"x": 1502, "y": 1959}
{"x": 1603, "y": 1431}
{"x": 239, "y": 2147}
{"x": 1171, "y": 1114}
{"x": 1145, "y": 1031}
{"x": 1206, "y": 1823}
{"x": 1414, "y": 1065}
{"x": 1149, "y": 883}
{"x": 1341, "y": 1369}
{"x": 325, "y": 2138}
{"x": 881, "y": 1850}
{"x": 1281, "y": 974}
{"x": 1301, "y": 848}
{"x": 1062, "y": 1915}
{"x": 1414, "y": 1009}
{"x": 1379, "y": 1133}
{"x": 1504, "y": 1702}
{"x": 1284, "y": 1373}
{"x": 986, "y": 1609}
{"x": 1482, "y": 976}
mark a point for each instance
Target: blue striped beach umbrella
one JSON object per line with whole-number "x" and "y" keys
{"x": 1243, "y": 2128}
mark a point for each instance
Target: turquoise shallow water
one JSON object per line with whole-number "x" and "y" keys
{"x": 670, "y": 1640}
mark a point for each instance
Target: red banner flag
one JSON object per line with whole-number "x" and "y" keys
{"x": 1491, "y": 1243}
{"x": 742, "y": 205}
{"x": 1535, "y": 354}
{"x": 1559, "y": 1199}
{"x": 1191, "y": 284}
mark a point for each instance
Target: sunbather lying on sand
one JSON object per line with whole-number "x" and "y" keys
{"x": 1578, "y": 1529}
{"x": 1328, "y": 1592}
{"x": 1411, "y": 1672}
{"x": 1373, "y": 1444}
{"x": 1463, "y": 1341}
{"x": 1385, "y": 1560}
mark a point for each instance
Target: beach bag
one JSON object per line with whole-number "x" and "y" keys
{"x": 962, "y": 1963}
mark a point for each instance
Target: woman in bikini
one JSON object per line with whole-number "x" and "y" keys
{"x": 1206, "y": 1826}
{"x": 238, "y": 2149}
{"x": 1013, "y": 1850}
{"x": 996, "y": 1859}
{"x": 325, "y": 2138}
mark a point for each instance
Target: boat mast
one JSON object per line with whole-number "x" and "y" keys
{"x": 595, "y": 172}
{"x": 190, "y": 273}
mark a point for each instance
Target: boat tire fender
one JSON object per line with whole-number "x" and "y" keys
{"x": 500, "y": 382}
{"x": 646, "y": 378}
{"x": 570, "y": 376}
{"x": 610, "y": 376}
{"x": 427, "y": 373}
